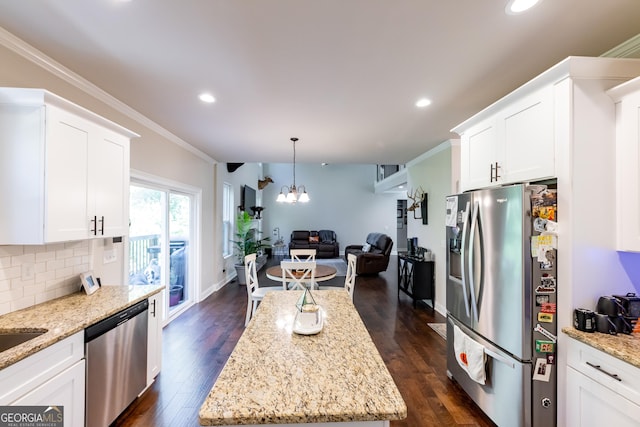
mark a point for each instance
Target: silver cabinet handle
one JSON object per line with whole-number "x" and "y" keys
{"x": 614, "y": 376}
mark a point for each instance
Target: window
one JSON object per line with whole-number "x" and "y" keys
{"x": 227, "y": 220}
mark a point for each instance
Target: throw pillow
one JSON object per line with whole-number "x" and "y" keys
{"x": 314, "y": 239}
{"x": 366, "y": 247}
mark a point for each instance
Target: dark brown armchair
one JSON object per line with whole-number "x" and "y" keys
{"x": 376, "y": 258}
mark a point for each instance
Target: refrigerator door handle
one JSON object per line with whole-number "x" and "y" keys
{"x": 470, "y": 259}
{"x": 463, "y": 255}
{"x": 495, "y": 356}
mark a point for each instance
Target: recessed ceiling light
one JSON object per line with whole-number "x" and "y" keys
{"x": 423, "y": 102}
{"x": 207, "y": 97}
{"x": 515, "y": 7}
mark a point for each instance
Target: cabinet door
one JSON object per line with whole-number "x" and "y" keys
{"x": 526, "y": 128}
{"x": 22, "y": 156}
{"x": 67, "y": 145}
{"x": 478, "y": 154}
{"x": 590, "y": 404}
{"x": 628, "y": 173}
{"x": 154, "y": 345}
{"x": 65, "y": 390}
{"x": 108, "y": 173}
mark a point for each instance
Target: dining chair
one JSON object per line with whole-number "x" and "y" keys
{"x": 254, "y": 292}
{"x": 303, "y": 254}
{"x": 350, "y": 279}
{"x": 298, "y": 274}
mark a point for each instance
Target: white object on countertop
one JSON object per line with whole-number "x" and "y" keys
{"x": 309, "y": 321}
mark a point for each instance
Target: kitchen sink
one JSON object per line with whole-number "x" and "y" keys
{"x": 12, "y": 338}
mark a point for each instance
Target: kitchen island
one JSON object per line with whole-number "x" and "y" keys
{"x": 275, "y": 376}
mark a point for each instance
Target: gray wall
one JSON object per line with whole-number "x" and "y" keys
{"x": 342, "y": 200}
{"x": 432, "y": 171}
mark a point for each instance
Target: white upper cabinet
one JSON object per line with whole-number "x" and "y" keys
{"x": 526, "y": 128}
{"x": 627, "y": 98}
{"x": 479, "y": 155}
{"x": 519, "y": 137}
{"x": 513, "y": 145}
{"x": 64, "y": 170}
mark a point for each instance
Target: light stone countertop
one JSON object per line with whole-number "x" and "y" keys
{"x": 275, "y": 376}
{"x": 625, "y": 347}
{"x": 63, "y": 317}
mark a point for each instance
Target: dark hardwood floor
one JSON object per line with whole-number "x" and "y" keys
{"x": 197, "y": 344}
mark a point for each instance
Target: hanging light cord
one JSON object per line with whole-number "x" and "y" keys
{"x": 294, "y": 161}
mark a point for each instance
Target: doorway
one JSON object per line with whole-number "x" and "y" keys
{"x": 161, "y": 242}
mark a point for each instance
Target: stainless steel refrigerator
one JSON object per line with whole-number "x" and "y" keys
{"x": 501, "y": 293}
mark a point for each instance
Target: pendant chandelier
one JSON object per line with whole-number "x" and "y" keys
{"x": 294, "y": 194}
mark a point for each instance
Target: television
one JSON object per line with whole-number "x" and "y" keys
{"x": 248, "y": 199}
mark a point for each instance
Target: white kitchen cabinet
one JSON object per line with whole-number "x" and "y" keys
{"x": 479, "y": 155}
{"x": 601, "y": 390}
{"x": 54, "y": 376}
{"x": 154, "y": 344}
{"x": 65, "y": 170}
{"x": 526, "y": 128}
{"x": 65, "y": 390}
{"x": 514, "y": 143}
{"x": 627, "y": 98}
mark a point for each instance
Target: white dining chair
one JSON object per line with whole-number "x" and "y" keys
{"x": 350, "y": 279}
{"x": 303, "y": 254}
{"x": 298, "y": 274}
{"x": 254, "y": 292}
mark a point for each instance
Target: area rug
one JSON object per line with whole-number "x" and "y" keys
{"x": 440, "y": 328}
{"x": 338, "y": 263}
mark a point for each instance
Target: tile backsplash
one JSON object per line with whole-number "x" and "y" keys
{"x": 30, "y": 275}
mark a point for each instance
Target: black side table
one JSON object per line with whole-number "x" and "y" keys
{"x": 416, "y": 278}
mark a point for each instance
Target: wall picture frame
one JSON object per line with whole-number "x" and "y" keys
{"x": 89, "y": 282}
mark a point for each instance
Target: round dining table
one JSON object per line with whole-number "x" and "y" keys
{"x": 323, "y": 273}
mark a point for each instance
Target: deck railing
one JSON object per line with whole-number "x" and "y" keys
{"x": 139, "y": 253}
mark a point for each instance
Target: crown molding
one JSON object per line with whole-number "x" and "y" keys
{"x": 435, "y": 150}
{"x": 47, "y": 63}
{"x": 627, "y": 49}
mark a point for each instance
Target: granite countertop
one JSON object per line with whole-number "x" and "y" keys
{"x": 62, "y": 317}
{"x": 625, "y": 347}
{"x": 275, "y": 376}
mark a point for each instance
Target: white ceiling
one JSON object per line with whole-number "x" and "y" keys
{"x": 341, "y": 75}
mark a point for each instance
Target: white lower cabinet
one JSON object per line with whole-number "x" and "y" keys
{"x": 601, "y": 390}
{"x": 54, "y": 376}
{"x": 65, "y": 390}
{"x": 154, "y": 340}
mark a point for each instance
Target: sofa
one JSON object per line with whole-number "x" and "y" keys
{"x": 374, "y": 258}
{"x": 323, "y": 241}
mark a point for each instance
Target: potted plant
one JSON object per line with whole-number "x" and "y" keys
{"x": 246, "y": 242}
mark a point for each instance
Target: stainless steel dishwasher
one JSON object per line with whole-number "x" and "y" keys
{"x": 116, "y": 353}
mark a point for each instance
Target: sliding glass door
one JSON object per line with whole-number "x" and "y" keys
{"x": 161, "y": 241}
